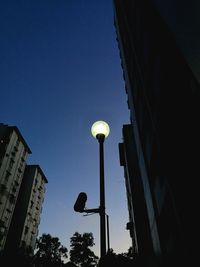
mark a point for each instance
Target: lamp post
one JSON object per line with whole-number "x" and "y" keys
{"x": 108, "y": 235}
{"x": 100, "y": 130}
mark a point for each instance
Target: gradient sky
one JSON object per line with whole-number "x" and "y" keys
{"x": 60, "y": 72}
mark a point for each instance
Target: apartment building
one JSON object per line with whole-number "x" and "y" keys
{"x": 13, "y": 154}
{"x": 22, "y": 190}
{"x": 138, "y": 225}
{"x": 160, "y": 55}
{"x": 26, "y": 218}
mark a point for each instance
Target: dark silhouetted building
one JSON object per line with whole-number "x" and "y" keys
{"x": 26, "y": 218}
{"x": 160, "y": 53}
{"x": 22, "y": 189}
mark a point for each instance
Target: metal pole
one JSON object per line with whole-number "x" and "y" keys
{"x": 102, "y": 196}
{"x": 108, "y": 236}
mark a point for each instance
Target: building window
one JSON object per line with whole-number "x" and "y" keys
{"x": 16, "y": 148}
{"x": 14, "y": 190}
{"x": 19, "y": 170}
{"x": 2, "y": 188}
{"x": 23, "y": 155}
{"x": 7, "y": 176}
{"x": 31, "y": 204}
{"x": 17, "y": 142}
{"x": 12, "y": 198}
{"x": 10, "y": 165}
{"x": 6, "y": 215}
{"x": 16, "y": 183}
{"x": 13, "y": 153}
{"x": 26, "y": 230}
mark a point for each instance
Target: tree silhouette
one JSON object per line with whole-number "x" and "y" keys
{"x": 117, "y": 260}
{"x": 80, "y": 252}
{"x": 49, "y": 251}
{"x": 129, "y": 254}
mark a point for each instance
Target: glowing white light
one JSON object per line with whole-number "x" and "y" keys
{"x": 100, "y": 127}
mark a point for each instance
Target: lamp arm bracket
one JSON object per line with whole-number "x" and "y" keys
{"x": 91, "y": 210}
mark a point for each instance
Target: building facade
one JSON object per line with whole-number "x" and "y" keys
{"x": 161, "y": 145}
{"x": 13, "y": 155}
{"x": 26, "y": 218}
{"x": 139, "y": 224}
{"x": 22, "y": 189}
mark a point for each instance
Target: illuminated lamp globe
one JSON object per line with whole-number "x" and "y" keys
{"x": 100, "y": 127}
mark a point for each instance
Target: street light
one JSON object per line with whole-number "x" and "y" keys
{"x": 100, "y": 130}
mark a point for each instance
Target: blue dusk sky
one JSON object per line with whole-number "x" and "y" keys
{"x": 60, "y": 72}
